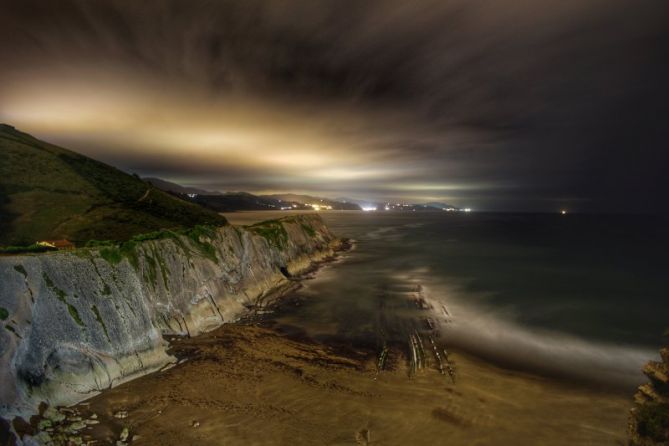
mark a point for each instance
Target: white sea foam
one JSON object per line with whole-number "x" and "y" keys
{"x": 494, "y": 335}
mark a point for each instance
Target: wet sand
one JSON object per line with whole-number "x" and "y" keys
{"x": 253, "y": 385}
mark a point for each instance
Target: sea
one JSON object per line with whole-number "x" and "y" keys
{"x": 579, "y": 297}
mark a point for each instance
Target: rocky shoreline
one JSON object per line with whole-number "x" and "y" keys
{"x": 255, "y": 383}
{"x": 261, "y": 382}
{"x": 83, "y": 321}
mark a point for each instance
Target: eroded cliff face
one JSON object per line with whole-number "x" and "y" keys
{"x": 77, "y": 322}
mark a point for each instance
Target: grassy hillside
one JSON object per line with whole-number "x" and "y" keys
{"x": 48, "y": 192}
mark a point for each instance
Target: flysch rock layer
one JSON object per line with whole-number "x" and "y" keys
{"x": 78, "y": 322}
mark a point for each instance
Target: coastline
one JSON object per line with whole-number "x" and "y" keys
{"x": 258, "y": 382}
{"x": 255, "y": 381}
{"x": 83, "y": 321}
{"x": 399, "y": 281}
{"x": 246, "y": 383}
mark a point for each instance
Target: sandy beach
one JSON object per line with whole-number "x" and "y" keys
{"x": 254, "y": 385}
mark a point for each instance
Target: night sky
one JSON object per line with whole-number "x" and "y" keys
{"x": 492, "y": 104}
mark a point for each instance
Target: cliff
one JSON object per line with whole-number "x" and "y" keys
{"x": 649, "y": 419}
{"x": 77, "y": 322}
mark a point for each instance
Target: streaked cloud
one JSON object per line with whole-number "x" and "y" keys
{"x": 485, "y": 103}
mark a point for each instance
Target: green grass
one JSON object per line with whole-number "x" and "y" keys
{"x": 62, "y": 296}
{"x": 34, "y": 248}
{"x": 200, "y": 237}
{"x": 151, "y": 270}
{"x": 129, "y": 251}
{"x": 111, "y": 254}
{"x": 22, "y": 270}
{"x": 75, "y": 315}
{"x": 47, "y": 192}
{"x": 273, "y": 231}
{"x": 100, "y": 243}
{"x": 308, "y": 229}
{"x": 96, "y": 312}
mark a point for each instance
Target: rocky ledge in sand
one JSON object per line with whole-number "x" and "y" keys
{"x": 259, "y": 382}
{"x": 77, "y": 322}
{"x": 649, "y": 420}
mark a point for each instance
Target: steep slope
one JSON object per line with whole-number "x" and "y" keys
{"x": 73, "y": 323}
{"x": 48, "y": 192}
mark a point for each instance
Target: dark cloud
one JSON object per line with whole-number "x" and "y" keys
{"x": 520, "y": 104}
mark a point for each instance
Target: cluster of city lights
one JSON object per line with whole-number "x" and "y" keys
{"x": 320, "y": 207}
{"x": 407, "y": 207}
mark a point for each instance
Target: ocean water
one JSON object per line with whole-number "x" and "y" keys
{"x": 576, "y": 296}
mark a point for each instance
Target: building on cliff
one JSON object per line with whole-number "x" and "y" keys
{"x": 56, "y": 244}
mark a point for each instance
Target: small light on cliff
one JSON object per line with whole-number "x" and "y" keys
{"x": 563, "y": 212}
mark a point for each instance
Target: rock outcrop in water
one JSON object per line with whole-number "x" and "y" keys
{"x": 77, "y": 322}
{"x": 649, "y": 420}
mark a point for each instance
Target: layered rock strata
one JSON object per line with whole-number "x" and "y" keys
{"x": 77, "y": 322}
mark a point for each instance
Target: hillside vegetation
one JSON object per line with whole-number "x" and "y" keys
{"x": 47, "y": 192}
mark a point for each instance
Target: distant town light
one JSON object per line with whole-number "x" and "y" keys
{"x": 563, "y": 212}
{"x": 320, "y": 207}
{"x": 467, "y": 209}
{"x": 368, "y": 208}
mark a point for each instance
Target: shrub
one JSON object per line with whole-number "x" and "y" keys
{"x": 111, "y": 254}
{"x": 653, "y": 421}
{"x": 25, "y": 249}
